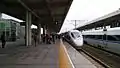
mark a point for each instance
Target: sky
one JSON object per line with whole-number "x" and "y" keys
{"x": 85, "y": 11}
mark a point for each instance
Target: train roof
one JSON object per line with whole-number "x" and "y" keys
{"x": 74, "y": 31}
{"x": 110, "y": 31}
{"x": 104, "y": 20}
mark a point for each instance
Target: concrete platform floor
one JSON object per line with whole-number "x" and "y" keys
{"x": 78, "y": 59}
{"x": 41, "y": 56}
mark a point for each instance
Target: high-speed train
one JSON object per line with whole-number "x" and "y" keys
{"x": 74, "y": 37}
{"x": 108, "y": 39}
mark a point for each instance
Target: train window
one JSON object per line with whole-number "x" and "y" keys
{"x": 92, "y": 36}
{"x": 104, "y": 37}
{"x": 88, "y": 36}
{"x": 84, "y": 36}
{"x": 112, "y": 38}
{"x": 98, "y": 36}
{"x": 76, "y": 34}
{"x": 68, "y": 37}
{"x": 95, "y": 36}
{"x": 118, "y": 36}
{"x": 72, "y": 35}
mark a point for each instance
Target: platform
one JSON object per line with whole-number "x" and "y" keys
{"x": 43, "y": 56}
{"x": 78, "y": 60}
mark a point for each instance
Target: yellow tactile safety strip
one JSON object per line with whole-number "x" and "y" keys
{"x": 64, "y": 61}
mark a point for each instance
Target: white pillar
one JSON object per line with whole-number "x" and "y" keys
{"x": 28, "y": 28}
{"x": 44, "y": 30}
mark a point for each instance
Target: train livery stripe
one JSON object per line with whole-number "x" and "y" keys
{"x": 64, "y": 59}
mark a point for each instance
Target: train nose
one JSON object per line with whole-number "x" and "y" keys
{"x": 79, "y": 42}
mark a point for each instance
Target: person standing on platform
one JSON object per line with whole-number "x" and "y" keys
{"x": 3, "y": 40}
{"x": 47, "y": 39}
{"x": 44, "y": 38}
{"x": 53, "y": 38}
{"x": 35, "y": 39}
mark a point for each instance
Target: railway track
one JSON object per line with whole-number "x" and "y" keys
{"x": 95, "y": 59}
{"x": 104, "y": 58}
{"x": 105, "y": 50}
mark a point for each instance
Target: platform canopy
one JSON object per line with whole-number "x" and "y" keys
{"x": 46, "y": 12}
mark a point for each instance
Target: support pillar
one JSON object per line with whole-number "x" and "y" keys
{"x": 0, "y": 15}
{"x": 28, "y": 28}
{"x": 39, "y": 33}
{"x": 44, "y": 30}
{"x": 44, "y": 33}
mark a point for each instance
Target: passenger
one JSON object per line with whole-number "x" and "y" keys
{"x": 53, "y": 38}
{"x": 35, "y": 39}
{"x": 48, "y": 39}
{"x": 59, "y": 36}
{"x": 3, "y": 40}
{"x": 43, "y": 38}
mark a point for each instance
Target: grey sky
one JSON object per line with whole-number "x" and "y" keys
{"x": 88, "y": 10}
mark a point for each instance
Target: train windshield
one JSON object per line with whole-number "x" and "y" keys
{"x": 76, "y": 34}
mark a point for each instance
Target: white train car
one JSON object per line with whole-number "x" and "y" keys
{"x": 74, "y": 37}
{"x": 109, "y": 39}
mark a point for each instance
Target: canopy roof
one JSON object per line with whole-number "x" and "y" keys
{"x": 46, "y": 12}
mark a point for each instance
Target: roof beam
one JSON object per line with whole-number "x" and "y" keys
{"x": 25, "y": 6}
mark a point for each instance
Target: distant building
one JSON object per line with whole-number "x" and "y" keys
{"x": 11, "y": 28}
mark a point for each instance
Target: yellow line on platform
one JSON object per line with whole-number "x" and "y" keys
{"x": 64, "y": 60}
